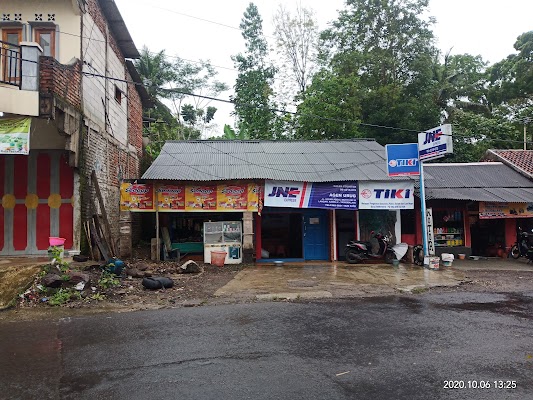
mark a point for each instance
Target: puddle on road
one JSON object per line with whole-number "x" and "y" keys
{"x": 517, "y": 305}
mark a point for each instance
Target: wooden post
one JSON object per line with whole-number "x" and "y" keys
{"x": 104, "y": 213}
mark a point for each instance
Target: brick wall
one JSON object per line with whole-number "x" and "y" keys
{"x": 112, "y": 145}
{"x": 63, "y": 81}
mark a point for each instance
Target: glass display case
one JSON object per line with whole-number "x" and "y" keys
{"x": 223, "y": 236}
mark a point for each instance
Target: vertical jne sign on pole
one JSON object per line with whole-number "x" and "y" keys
{"x": 432, "y": 144}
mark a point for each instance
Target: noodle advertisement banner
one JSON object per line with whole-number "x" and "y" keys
{"x": 236, "y": 197}
{"x": 488, "y": 210}
{"x": 136, "y": 196}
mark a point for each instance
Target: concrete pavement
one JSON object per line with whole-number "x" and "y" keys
{"x": 265, "y": 282}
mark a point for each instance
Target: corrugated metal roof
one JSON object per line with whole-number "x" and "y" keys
{"x": 494, "y": 182}
{"x": 311, "y": 161}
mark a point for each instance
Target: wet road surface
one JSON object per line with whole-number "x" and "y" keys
{"x": 398, "y": 347}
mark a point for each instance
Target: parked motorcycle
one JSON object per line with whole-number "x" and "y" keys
{"x": 357, "y": 251}
{"x": 522, "y": 248}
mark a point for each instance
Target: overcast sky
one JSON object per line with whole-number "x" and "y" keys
{"x": 484, "y": 27}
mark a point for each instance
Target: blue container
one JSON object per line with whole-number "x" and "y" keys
{"x": 115, "y": 266}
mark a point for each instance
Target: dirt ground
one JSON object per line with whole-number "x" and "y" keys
{"x": 197, "y": 289}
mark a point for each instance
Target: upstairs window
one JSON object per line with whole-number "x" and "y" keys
{"x": 118, "y": 95}
{"x": 46, "y": 37}
{"x": 10, "y": 54}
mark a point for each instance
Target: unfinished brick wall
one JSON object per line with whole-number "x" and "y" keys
{"x": 63, "y": 81}
{"x": 112, "y": 136}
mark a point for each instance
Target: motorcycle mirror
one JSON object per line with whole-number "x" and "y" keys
{"x": 371, "y": 232}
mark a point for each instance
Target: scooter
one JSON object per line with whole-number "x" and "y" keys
{"x": 521, "y": 248}
{"x": 357, "y": 251}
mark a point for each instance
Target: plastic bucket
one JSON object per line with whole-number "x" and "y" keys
{"x": 218, "y": 258}
{"x": 434, "y": 263}
{"x": 56, "y": 241}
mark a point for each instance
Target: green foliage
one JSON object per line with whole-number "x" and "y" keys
{"x": 96, "y": 297}
{"x": 230, "y": 134}
{"x": 377, "y": 69}
{"x": 108, "y": 280}
{"x": 62, "y": 296}
{"x": 253, "y": 86}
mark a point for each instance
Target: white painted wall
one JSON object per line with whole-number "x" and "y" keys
{"x": 67, "y": 18}
{"x": 95, "y": 88}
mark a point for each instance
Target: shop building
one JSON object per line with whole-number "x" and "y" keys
{"x": 476, "y": 208}
{"x": 297, "y": 200}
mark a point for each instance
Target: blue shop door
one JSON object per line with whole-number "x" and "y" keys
{"x": 316, "y": 243}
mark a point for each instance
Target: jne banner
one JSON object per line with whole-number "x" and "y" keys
{"x": 329, "y": 195}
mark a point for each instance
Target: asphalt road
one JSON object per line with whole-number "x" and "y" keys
{"x": 381, "y": 348}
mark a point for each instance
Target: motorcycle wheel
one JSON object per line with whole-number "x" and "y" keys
{"x": 352, "y": 256}
{"x": 515, "y": 252}
{"x": 418, "y": 255}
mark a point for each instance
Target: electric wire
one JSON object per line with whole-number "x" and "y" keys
{"x": 363, "y": 124}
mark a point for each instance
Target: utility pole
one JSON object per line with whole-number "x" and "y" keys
{"x": 526, "y": 121}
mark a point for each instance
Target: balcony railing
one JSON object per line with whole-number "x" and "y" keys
{"x": 10, "y": 64}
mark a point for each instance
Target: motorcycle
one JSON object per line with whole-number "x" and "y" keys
{"x": 522, "y": 248}
{"x": 357, "y": 251}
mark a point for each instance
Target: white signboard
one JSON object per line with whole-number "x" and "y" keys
{"x": 429, "y": 230}
{"x": 388, "y": 195}
{"x": 285, "y": 194}
{"x": 435, "y": 143}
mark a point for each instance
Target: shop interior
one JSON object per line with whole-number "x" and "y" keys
{"x": 281, "y": 235}
{"x": 186, "y": 229}
{"x": 345, "y": 222}
{"x": 488, "y": 237}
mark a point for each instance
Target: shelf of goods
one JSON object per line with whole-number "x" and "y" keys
{"x": 448, "y": 237}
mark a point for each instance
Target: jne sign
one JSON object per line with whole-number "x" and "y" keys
{"x": 435, "y": 143}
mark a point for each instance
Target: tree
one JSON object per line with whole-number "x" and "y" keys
{"x": 171, "y": 83}
{"x": 382, "y": 50}
{"x": 297, "y": 40}
{"x": 511, "y": 80}
{"x": 253, "y": 86}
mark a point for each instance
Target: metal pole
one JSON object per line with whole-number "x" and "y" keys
{"x": 158, "y": 257}
{"x": 525, "y": 136}
{"x": 423, "y": 210}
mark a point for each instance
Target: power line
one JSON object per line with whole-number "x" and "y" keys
{"x": 89, "y": 74}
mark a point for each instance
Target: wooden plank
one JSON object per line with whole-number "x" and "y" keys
{"x": 104, "y": 214}
{"x": 88, "y": 236}
{"x": 103, "y": 250}
{"x": 100, "y": 233}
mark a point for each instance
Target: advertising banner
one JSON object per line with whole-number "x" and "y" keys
{"x": 136, "y": 196}
{"x": 201, "y": 198}
{"x": 386, "y": 195}
{"x": 329, "y": 195}
{"x": 236, "y": 197}
{"x": 429, "y": 230}
{"x": 402, "y": 159}
{"x": 254, "y": 196}
{"x": 488, "y": 210}
{"x": 15, "y": 135}
{"x": 232, "y": 197}
{"x": 171, "y": 197}
{"x": 435, "y": 143}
